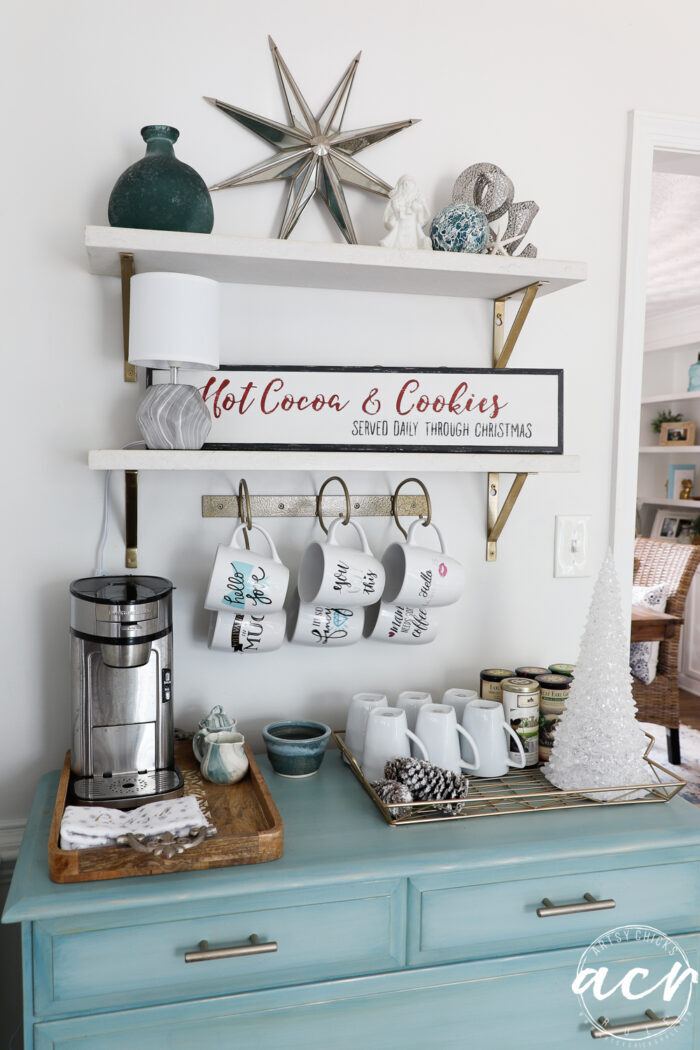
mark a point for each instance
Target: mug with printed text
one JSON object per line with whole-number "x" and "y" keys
{"x": 243, "y": 632}
{"x": 327, "y": 628}
{"x": 340, "y": 577}
{"x": 244, "y": 581}
{"x": 420, "y": 576}
{"x": 400, "y": 625}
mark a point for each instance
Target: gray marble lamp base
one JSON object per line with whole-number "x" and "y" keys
{"x": 173, "y": 415}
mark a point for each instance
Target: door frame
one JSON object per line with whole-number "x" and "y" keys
{"x": 648, "y": 132}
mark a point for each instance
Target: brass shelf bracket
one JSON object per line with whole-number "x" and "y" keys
{"x": 495, "y": 518}
{"x": 131, "y": 517}
{"x": 126, "y": 263}
{"x": 503, "y": 345}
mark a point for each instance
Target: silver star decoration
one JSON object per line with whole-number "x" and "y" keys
{"x": 313, "y": 152}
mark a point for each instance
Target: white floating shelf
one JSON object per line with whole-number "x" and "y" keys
{"x": 682, "y": 503}
{"x": 657, "y": 399}
{"x": 301, "y": 264}
{"x": 149, "y": 459}
{"x": 680, "y": 450}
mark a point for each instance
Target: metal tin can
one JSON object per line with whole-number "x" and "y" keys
{"x": 530, "y": 672}
{"x": 521, "y": 707}
{"x": 567, "y": 669}
{"x": 554, "y": 692}
{"x": 490, "y": 683}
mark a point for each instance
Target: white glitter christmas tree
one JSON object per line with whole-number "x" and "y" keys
{"x": 598, "y": 742}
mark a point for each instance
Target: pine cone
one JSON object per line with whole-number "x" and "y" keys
{"x": 392, "y": 791}
{"x": 428, "y": 783}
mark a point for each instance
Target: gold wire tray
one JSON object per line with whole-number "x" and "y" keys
{"x": 525, "y": 791}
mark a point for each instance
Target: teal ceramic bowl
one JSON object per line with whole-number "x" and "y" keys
{"x": 296, "y": 749}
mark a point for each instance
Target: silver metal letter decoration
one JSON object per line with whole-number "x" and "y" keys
{"x": 313, "y": 151}
{"x": 488, "y": 187}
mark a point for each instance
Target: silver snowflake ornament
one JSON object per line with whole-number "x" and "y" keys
{"x": 313, "y": 152}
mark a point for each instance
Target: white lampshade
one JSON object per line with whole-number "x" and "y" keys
{"x": 174, "y": 321}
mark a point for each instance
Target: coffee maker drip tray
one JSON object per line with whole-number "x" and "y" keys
{"x": 127, "y": 789}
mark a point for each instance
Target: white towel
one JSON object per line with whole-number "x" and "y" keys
{"x": 83, "y": 827}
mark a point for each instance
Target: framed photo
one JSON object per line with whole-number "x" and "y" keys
{"x": 366, "y": 409}
{"x": 679, "y": 474}
{"x": 674, "y": 526}
{"x": 678, "y": 433}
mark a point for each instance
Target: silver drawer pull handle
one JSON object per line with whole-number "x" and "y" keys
{"x": 254, "y": 947}
{"x": 652, "y": 1024}
{"x": 571, "y": 909}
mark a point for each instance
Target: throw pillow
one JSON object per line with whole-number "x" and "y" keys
{"x": 644, "y": 656}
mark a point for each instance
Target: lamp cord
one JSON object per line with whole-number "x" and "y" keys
{"x": 99, "y": 570}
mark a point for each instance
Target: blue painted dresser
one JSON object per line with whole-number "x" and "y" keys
{"x": 387, "y": 938}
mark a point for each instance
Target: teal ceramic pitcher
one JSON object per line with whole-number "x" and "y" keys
{"x": 224, "y": 759}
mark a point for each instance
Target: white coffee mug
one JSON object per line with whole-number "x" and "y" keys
{"x": 485, "y": 722}
{"x": 361, "y": 705}
{"x": 438, "y": 730}
{"x": 459, "y": 698}
{"x": 400, "y": 625}
{"x": 419, "y": 576}
{"x": 326, "y": 628}
{"x": 244, "y": 581}
{"x": 337, "y": 576}
{"x": 411, "y": 702}
{"x": 387, "y": 737}
{"x": 247, "y": 632}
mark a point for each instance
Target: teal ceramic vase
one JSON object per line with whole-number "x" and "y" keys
{"x": 159, "y": 192}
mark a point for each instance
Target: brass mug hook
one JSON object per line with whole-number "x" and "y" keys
{"x": 319, "y": 500}
{"x": 394, "y": 504}
{"x": 244, "y": 505}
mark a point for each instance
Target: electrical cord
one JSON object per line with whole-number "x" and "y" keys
{"x": 99, "y": 570}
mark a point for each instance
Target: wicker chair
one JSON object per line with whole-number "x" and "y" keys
{"x": 659, "y": 561}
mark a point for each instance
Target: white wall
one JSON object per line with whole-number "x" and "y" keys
{"x": 543, "y": 91}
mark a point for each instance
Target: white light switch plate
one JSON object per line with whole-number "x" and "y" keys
{"x": 572, "y": 534}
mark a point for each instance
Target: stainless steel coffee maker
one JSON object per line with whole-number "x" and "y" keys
{"x": 122, "y": 691}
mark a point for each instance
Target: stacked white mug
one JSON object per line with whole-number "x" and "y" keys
{"x": 418, "y": 580}
{"x": 335, "y": 585}
{"x": 246, "y": 593}
{"x": 463, "y": 733}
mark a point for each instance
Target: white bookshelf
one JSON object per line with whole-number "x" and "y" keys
{"x": 683, "y": 504}
{"x": 665, "y": 450}
{"x": 660, "y": 399}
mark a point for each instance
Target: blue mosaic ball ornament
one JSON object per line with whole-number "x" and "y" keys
{"x": 460, "y": 228}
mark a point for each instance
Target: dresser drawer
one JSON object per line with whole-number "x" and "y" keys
{"x": 450, "y": 922}
{"x": 82, "y": 963}
{"x": 526, "y": 1002}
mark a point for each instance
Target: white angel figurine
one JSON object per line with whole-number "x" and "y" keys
{"x": 405, "y": 216}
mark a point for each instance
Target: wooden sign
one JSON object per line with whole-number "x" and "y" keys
{"x": 514, "y": 410}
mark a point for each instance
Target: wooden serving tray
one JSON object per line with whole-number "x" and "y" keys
{"x": 249, "y": 830}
